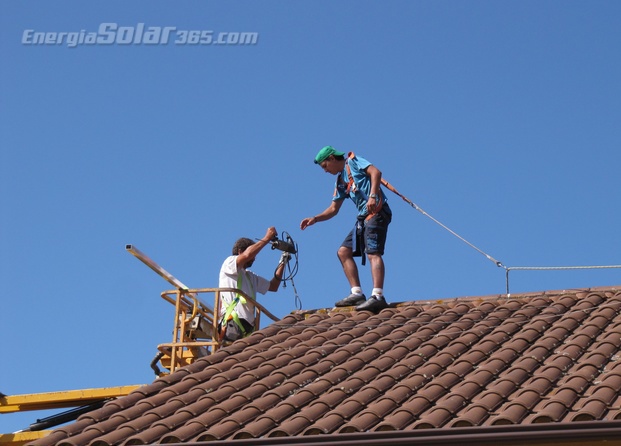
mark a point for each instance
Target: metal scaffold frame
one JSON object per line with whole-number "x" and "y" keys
{"x": 195, "y": 332}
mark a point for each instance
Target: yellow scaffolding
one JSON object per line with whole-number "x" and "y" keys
{"x": 196, "y": 326}
{"x": 195, "y": 335}
{"x": 56, "y": 400}
{"x": 196, "y": 323}
{"x": 52, "y": 400}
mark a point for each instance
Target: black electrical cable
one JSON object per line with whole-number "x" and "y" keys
{"x": 288, "y": 245}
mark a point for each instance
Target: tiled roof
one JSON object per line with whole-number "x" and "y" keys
{"x": 470, "y": 362}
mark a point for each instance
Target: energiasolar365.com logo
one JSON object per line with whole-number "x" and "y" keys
{"x": 113, "y": 34}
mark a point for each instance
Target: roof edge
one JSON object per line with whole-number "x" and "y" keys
{"x": 476, "y": 299}
{"x": 584, "y": 433}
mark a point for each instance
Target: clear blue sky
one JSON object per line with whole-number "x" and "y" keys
{"x": 501, "y": 119}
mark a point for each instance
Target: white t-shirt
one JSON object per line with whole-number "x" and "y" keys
{"x": 250, "y": 284}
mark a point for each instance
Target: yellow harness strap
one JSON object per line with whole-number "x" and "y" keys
{"x": 230, "y": 312}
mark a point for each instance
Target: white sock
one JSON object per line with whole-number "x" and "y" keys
{"x": 356, "y": 290}
{"x": 379, "y": 292}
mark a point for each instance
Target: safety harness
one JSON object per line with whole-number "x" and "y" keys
{"x": 351, "y": 186}
{"x": 230, "y": 312}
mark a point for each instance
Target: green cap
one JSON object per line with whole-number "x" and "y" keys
{"x": 326, "y": 152}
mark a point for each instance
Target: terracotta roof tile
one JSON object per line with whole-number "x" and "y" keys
{"x": 75, "y": 428}
{"x": 537, "y": 358}
{"x": 593, "y": 410}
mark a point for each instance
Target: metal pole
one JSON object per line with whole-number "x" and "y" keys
{"x": 162, "y": 272}
{"x": 155, "y": 267}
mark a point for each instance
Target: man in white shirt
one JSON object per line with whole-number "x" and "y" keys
{"x": 236, "y": 313}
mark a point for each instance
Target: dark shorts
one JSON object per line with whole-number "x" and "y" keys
{"x": 371, "y": 233}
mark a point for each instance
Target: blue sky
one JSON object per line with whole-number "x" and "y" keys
{"x": 498, "y": 118}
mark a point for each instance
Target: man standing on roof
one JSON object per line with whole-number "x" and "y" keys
{"x": 359, "y": 180}
{"x": 236, "y": 313}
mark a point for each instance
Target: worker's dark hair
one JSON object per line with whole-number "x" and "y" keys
{"x": 241, "y": 245}
{"x": 339, "y": 157}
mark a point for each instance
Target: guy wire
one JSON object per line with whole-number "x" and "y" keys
{"x": 498, "y": 263}
{"x": 419, "y": 209}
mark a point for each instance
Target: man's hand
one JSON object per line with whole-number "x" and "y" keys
{"x": 284, "y": 257}
{"x": 270, "y": 234}
{"x": 372, "y": 205}
{"x": 308, "y": 222}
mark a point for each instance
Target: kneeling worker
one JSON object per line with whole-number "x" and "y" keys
{"x": 237, "y": 315}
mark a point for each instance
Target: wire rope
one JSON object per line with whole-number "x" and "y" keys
{"x": 489, "y": 257}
